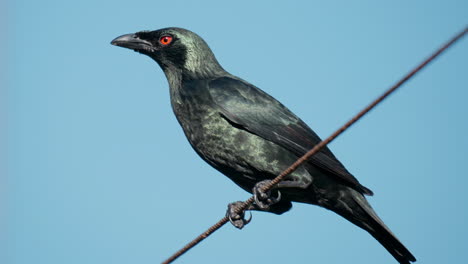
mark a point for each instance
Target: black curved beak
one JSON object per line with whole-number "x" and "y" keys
{"x": 131, "y": 41}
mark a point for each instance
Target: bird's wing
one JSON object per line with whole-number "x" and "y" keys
{"x": 257, "y": 112}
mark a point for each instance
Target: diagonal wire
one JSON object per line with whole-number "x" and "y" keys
{"x": 316, "y": 148}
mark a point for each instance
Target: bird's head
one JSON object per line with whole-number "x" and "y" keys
{"x": 176, "y": 50}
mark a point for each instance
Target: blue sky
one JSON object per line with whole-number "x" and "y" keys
{"x": 99, "y": 171}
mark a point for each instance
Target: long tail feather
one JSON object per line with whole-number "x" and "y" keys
{"x": 354, "y": 207}
{"x": 383, "y": 234}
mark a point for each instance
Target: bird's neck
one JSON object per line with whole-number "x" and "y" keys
{"x": 174, "y": 78}
{"x": 202, "y": 68}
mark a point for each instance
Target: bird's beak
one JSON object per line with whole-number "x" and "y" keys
{"x": 131, "y": 41}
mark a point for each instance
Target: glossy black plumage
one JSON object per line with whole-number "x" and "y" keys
{"x": 250, "y": 137}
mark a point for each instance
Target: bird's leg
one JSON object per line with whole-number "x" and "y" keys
{"x": 292, "y": 184}
{"x": 238, "y": 219}
{"x": 263, "y": 200}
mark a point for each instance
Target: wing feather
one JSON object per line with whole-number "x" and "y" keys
{"x": 259, "y": 113}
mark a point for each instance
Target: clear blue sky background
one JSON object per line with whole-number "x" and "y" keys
{"x": 99, "y": 171}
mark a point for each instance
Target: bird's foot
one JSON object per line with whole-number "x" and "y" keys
{"x": 237, "y": 219}
{"x": 263, "y": 200}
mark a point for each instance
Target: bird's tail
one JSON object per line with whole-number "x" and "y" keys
{"x": 364, "y": 216}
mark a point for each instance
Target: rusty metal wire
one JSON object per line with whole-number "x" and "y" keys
{"x": 317, "y": 148}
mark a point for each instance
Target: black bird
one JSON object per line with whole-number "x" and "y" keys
{"x": 251, "y": 137}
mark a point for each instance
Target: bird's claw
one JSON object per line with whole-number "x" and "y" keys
{"x": 237, "y": 219}
{"x": 263, "y": 200}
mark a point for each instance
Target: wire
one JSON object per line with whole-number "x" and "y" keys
{"x": 316, "y": 148}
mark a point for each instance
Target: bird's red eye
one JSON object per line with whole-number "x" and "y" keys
{"x": 165, "y": 40}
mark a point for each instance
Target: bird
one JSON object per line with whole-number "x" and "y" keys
{"x": 251, "y": 137}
